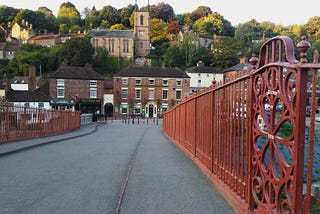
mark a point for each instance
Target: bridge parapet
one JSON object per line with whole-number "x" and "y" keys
{"x": 248, "y": 134}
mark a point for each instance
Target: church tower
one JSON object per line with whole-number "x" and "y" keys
{"x": 142, "y": 31}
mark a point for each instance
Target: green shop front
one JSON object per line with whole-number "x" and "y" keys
{"x": 89, "y": 106}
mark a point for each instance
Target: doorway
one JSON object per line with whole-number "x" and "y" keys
{"x": 150, "y": 111}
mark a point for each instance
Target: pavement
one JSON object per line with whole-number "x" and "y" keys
{"x": 21, "y": 145}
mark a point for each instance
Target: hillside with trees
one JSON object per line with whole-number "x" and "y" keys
{"x": 236, "y": 41}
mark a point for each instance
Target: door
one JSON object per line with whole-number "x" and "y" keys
{"x": 150, "y": 110}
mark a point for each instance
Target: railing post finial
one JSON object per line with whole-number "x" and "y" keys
{"x": 253, "y": 61}
{"x": 303, "y": 46}
{"x": 214, "y": 82}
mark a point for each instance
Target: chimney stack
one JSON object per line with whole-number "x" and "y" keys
{"x": 32, "y": 78}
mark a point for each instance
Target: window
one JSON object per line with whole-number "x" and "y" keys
{"x": 151, "y": 94}
{"x": 138, "y": 93}
{"x": 178, "y": 95}
{"x": 111, "y": 45}
{"x": 40, "y": 105}
{"x": 164, "y": 94}
{"x": 164, "y": 82}
{"x": 199, "y": 75}
{"x": 125, "y": 48}
{"x": 199, "y": 82}
{"x": 124, "y": 93}
{"x": 141, "y": 20}
{"x": 93, "y": 93}
{"x": 60, "y": 92}
{"x": 141, "y": 33}
{"x": 179, "y": 82}
{"x": 138, "y": 81}
{"x": 124, "y": 110}
{"x": 151, "y": 81}
{"x": 93, "y": 83}
{"x": 60, "y": 82}
{"x": 124, "y": 81}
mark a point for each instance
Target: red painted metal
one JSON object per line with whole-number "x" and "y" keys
{"x": 243, "y": 143}
{"x": 21, "y": 122}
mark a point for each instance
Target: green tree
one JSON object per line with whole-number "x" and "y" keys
{"x": 78, "y": 51}
{"x": 37, "y": 19}
{"x": 157, "y": 51}
{"x": 110, "y": 14}
{"x": 208, "y": 25}
{"x": 313, "y": 28}
{"x": 294, "y": 32}
{"x": 244, "y": 34}
{"x": 125, "y": 14}
{"x": 118, "y": 27}
{"x": 100, "y": 62}
{"x": 92, "y": 19}
{"x": 51, "y": 21}
{"x": 68, "y": 14}
{"x": 225, "y": 52}
{"x": 158, "y": 29}
{"x": 314, "y": 46}
{"x": 164, "y": 11}
{"x": 22, "y": 60}
{"x": 173, "y": 57}
{"x": 7, "y": 15}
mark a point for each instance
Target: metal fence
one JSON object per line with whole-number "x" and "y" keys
{"x": 249, "y": 134}
{"x": 20, "y": 122}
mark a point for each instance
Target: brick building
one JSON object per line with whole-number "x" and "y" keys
{"x": 148, "y": 91}
{"x": 79, "y": 88}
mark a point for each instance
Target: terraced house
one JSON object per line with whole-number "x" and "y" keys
{"x": 148, "y": 91}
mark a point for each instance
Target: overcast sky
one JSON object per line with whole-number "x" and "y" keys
{"x": 285, "y": 12}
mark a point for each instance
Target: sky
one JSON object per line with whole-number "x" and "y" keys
{"x": 285, "y": 12}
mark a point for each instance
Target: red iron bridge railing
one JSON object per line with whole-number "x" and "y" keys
{"x": 251, "y": 134}
{"x": 21, "y": 122}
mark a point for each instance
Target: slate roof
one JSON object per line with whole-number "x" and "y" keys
{"x": 199, "y": 69}
{"x": 45, "y": 36}
{"x": 135, "y": 71}
{"x": 86, "y": 73}
{"x": 40, "y": 94}
{"x": 111, "y": 33}
{"x": 239, "y": 67}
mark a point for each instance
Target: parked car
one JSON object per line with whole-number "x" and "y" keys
{"x": 317, "y": 119}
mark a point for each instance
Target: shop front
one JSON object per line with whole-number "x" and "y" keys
{"x": 89, "y": 106}
{"x": 63, "y": 104}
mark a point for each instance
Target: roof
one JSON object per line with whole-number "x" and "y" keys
{"x": 40, "y": 94}
{"x": 203, "y": 69}
{"x": 6, "y": 47}
{"x": 45, "y": 37}
{"x": 239, "y": 67}
{"x": 135, "y": 71}
{"x": 86, "y": 72}
{"x": 111, "y": 33}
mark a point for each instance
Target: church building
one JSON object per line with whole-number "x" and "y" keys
{"x": 126, "y": 43}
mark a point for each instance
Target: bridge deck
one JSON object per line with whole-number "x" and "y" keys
{"x": 159, "y": 178}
